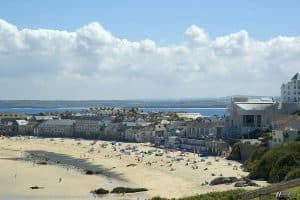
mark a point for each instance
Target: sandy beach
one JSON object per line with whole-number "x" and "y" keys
{"x": 163, "y": 173}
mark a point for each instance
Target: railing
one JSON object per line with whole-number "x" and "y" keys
{"x": 270, "y": 189}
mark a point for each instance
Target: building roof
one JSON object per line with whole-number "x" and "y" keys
{"x": 189, "y": 115}
{"x": 21, "y": 122}
{"x": 61, "y": 122}
{"x": 250, "y": 141}
{"x": 47, "y": 117}
{"x": 296, "y": 76}
{"x": 254, "y": 106}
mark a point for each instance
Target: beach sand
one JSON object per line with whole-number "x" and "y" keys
{"x": 166, "y": 174}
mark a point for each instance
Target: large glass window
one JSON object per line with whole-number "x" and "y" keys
{"x": 248, "y": 120}
{"x": 258, "y": 119}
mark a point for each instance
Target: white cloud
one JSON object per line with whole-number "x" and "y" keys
{"x": 92, "y": 63}
{"x": 197, "y": 35}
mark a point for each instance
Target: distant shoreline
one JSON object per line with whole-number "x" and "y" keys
{"x": 203, "y": 103}
{"x": 205, "y": 111}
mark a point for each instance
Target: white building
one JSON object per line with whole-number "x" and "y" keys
{"x": 87, "y": 127}
{"x": 247, "y": 115}
{"x": 145, "y": 134}
{"x": 290, "y": 91}
{"x": 200, "y": 129}
{"x": 277, "y": 138}
{"x": 55, "y": 128}
{"x": 46, "y": 117}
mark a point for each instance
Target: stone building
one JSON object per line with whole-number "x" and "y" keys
{"x": 87, "y": 128}
{"x": 55, "y": 128}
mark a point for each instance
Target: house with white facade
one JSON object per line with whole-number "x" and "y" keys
{"x": 87, "y": 128}
{"x": 55, "y": 128}
{"x": 247, "y": 115}
{"x": 145, "y": 134}
{"x": 200, "y": 129}
{"x": 290, "y": 91}
{"x": 290, "y": 95}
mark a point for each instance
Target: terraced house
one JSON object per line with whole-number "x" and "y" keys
{"x": 55, "y": 128}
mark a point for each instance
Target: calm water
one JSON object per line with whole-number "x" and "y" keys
{"x": 39, "y": 110}
{"x": 202, "y": 111}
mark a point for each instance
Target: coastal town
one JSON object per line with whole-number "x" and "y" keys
{"x": 149, "y": 100}
{"x": 247, "y": 119}
{"x": 187, "y": 149}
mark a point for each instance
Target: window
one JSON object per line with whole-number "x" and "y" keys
{"x": 248, "y": 120}
{"x": 258, "y": 119}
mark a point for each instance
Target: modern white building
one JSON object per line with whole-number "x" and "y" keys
{"x": 290, "y": 91}
{"x": 247, "y": 115}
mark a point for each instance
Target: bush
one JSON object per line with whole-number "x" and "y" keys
{"x": 282, "y": 167}
{"x": 295, "y": 173}
{"x": 225, "y": 195}
{"x": 253, "y": 161}
{"x": 274, "y": 164}
{"x": 159, "y": 198}
{"x": 235, "y": 153}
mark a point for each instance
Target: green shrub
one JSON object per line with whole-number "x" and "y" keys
{"x": 295, "y": 173}
{"x": 225, "y": 195}
{"x": 274, "y": 164}
{"x": 235, "y": 153}
{"x": 158, "y": 198}
{"x": 255, "y": 157}
{"x": 282, "y": 167}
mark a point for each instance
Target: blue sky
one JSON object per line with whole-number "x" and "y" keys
{"x": 159, "y": 20}
{"x": 160, "y": 49}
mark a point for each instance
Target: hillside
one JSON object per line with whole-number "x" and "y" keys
{"x": 279, "y": 163}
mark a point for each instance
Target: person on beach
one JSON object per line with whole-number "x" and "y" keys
{"x": 60, "y": 179}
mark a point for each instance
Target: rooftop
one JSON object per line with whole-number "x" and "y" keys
{"x": 64, "y": 122}
{"x": 296, "y": 76}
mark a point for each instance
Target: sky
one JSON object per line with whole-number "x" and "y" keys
{"x": 155, "y": 49}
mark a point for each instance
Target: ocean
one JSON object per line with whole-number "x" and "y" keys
{"x": 202, "y": 111}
